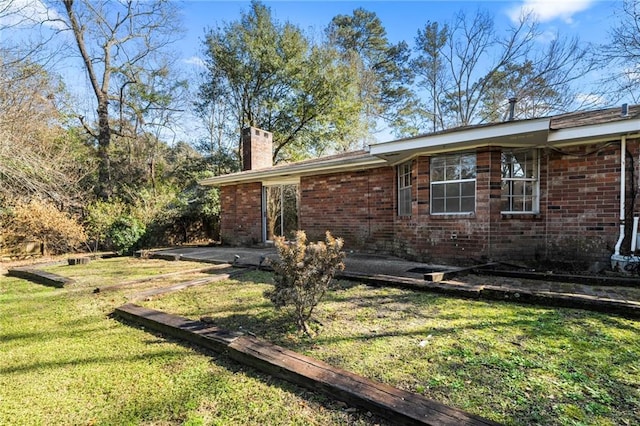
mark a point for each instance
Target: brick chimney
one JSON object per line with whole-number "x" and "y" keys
{"x": 257, "y": 147}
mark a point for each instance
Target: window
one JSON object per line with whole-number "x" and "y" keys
{"x": 453, "y": 184}
{"x": 520, "y": 181}
{"x": 404, "y": 189}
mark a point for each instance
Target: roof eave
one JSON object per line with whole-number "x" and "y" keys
{"x": 513, "y": 134}
{"x": 288, "y": 173}
{"x": 594, "y": 133}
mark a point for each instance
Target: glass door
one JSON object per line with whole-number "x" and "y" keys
{"x": 280, "y": 211}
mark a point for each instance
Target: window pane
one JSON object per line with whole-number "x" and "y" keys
{"x": 528, "y": 188}
{"x": 437, "y": 174}
{"x": 468, "y": 189}
{"x": 453, "y": 172}
{"x": 437, "y": 205}
{"x": 506, "y": 164}
{"x": 467, "y": 204}
{"x": 468, "y": 167}
{"x": 452, "y": 205}
{"x": 452, "y": 190}
{"x": 404, "y": 189}
{"x": 437, "y": 191}
{"x": 517, "y": 187}
{"x": 437, "y": 162}
{"x": 454, "y": 196}
{"x": 516, "y": 204}
{"x": 506, "y": 188}
{"x": 519, "y": 180}
{"x": 404, "y": 202}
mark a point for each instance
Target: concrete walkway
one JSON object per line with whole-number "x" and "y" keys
{"x": 393, "y": 271}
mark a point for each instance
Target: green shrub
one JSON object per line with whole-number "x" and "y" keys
{"x": 125, "y": 232}
{"x": 303, "y": 274}
{"x": 100, "y": 217}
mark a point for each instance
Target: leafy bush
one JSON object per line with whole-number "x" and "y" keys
{"x": 57, "y": 231}
{"x": 125, "y": 232}
{"x": 303, "y": 274}
{"x": 100, "y": 217}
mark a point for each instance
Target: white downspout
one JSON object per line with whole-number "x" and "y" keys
{"x": 623, "y": 158}
{"x": 634, "y": 235}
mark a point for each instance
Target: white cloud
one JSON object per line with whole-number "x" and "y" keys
{"x": 589, "y": 100}
{"x": 27, "y": 13}
{"x": 549, "y": 10}
{"x": 196, "y": 61}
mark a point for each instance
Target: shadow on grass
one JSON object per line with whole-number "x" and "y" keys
{"x": 61, "y": 332}
{"x": 534, "y": 387}
{"x": 223, "y": 361}
{"x": 85, "y": 361}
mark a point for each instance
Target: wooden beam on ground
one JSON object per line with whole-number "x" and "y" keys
{"x": 40, "y": 277}
{"x": 402, "y": 407}
{"x": 183, "y": 285}
{"x": 566, "y": 278}
{"x": 161, "y": 276}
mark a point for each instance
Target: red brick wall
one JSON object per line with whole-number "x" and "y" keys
{"x": 257, "y": 146}
{"x": 578, "y": 218}
{"x": 582, "y": 201}
{"x": 459, "y": 238}
{"x": 240, "y": 219}
{"x": 357, "y": 206}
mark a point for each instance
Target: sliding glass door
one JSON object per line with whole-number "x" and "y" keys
{"x": 279, "y": 211}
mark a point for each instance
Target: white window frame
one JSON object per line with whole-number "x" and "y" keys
{"x": 404, "y": 189}
{"x": 531, "y": 178}
{"x": 453, "y": 161}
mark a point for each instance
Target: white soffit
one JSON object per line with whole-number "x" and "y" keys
{"x": 512, "y": 134}
{"x": 594, "y": 132}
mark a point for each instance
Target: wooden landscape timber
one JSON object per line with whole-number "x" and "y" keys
{"x": 402, "y": 407}
{"x": 183, "y": 285}
{"x": 161, "y": 276}
{"x": 565, "y": 278}
{"x": 40, "y": 277}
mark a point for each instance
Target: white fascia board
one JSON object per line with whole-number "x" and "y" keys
{"x": 290, "y": 173}
{"x": 506, "y": 131}
{"x": 596, "y": 132}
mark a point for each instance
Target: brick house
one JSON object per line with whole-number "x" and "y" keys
{"x": 560, "y": 188}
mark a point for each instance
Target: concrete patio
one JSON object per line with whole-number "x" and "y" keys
{"x": 392, "y": 271}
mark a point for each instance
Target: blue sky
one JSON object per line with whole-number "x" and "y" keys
{"x": 590, "y": 20}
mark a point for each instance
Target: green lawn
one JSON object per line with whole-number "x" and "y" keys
{"x": 511, "y": 363}
{"x": 65, "y": 361}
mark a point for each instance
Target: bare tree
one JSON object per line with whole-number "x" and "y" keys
{"x": 468, "y": 83}
{"x": 115, "y": 39}
{"x": 39, "y": 158}
{"x": 27, "y": 36}
{"x": 621, "y": 56}
{"x": 430, "y": 67}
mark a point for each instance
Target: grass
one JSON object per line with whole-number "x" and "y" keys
{"x": 511, "y": 363}
{"x": 65, "y": 361}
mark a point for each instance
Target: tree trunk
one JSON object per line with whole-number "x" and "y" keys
{"x": 104, "y": 189}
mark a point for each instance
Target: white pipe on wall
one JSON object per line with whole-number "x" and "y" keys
{"x": 634, "y": 234}
{"x": 623, "y": 166}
